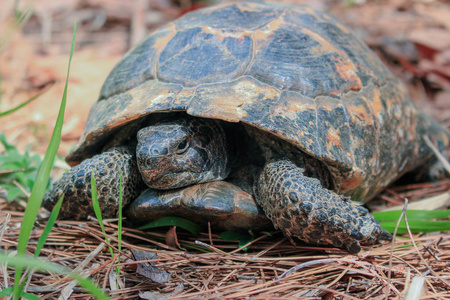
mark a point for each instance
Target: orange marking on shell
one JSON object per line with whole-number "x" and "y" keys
{"x": 161, "y": 43}
{"x": 290, "y": 109}
{"x": 324, "y": 45}
{"x": 184, "y": 96}
{"x": 361, "y": 112}
{"x": 254, "y": 7}
{"x": 333, "y": 139}
{"x": 344, "y": 65}
{"x": 347, "y": 72}
{"x": 146, "y": 96}
{"x": 263, "y": 33}
{"x": 221, "y": 35}
{"x": 376, "y": 102}
{"x": 229, "y": 103}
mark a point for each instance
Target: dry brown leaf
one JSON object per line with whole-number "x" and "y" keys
{"x": 434, "y": 38}
{"x": 440, "y": 13}
{"x": 148, "y": 269}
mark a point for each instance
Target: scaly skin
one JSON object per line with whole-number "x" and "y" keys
{"x": 300, "y": 207}
{"x": 107, "y": 167}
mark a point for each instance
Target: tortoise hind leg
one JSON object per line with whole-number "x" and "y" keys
{"x": 107, "y": 167}
{"x": 302, "y": 208}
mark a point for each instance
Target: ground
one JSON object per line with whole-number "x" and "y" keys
{"x": 412, "y": 37}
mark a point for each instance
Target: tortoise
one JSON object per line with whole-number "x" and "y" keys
{"x": 250, "y": 101}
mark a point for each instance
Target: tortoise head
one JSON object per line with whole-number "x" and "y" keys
{"x": 183, "y": 152}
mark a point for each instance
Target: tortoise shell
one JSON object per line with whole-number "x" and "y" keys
{"x": 288, "y": 70}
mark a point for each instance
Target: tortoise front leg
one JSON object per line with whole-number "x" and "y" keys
{"x": 302, "y": 208}
{"x": 107, "y": 167}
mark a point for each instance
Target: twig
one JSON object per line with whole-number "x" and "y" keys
{"x": 22, "y": 189}
{"x": 392, "y": 247}
{"x": 68, "y": 290}
{"x": 223, "y": 273}
{"x": 308, "y": 264}
{"x": 436, "y": 151}
{"x": 211, "y": 247}
{"x": 4, "y": 172}
{"x": 80, "y": 266}
{"x": 209, "y": 234}
{"x": 421, "y": 257}
{"x": 248, "y": 244}
{"x": 4, "y": 266}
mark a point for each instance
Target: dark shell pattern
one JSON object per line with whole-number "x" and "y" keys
{"x": 288, "y": 70}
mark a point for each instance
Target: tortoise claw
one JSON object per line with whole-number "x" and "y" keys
{"x": 385, "y": 236}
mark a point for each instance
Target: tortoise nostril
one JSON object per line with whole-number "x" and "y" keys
{"x": 147, "y": 156}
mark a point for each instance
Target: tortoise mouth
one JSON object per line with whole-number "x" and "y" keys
{"x": 172, "y": 180}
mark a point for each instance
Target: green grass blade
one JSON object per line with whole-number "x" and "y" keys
{"x": 119, "y": 223}
{"x": 174, "y": 221}
{"x": 243, "y": 243}
{"x": 29, "y": 296}
{"x": 48, "y": 228}
{"x": 243, "y": 238}
{"x": 13, "y": 26}
{"x": 95, "y": 204}
{"x": 22, "y": 261}
{"x": 416, "y": 226}
{"x": 412, "y": 215}
{"x": 98, "y": 213}
{"x": 6, "y": 292}
{"x": 119, "y": 237}
{"x": 42, "y": 178}
{"x": 2, "y": 114}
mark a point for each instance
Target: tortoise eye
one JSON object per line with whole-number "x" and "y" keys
{"x": 182, "y": 147}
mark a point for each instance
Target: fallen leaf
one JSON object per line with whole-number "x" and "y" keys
{"x": 433, "y": 38}
{"x": 440, "y": 13}
{"x": 148, "y": 269}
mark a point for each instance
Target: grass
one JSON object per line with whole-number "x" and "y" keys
{"x": 243, "y": 237}
{"x": 42, "y": 178}
{"x": 98, "y": 215}
{"x": 43, "y": 237}
{"x": 21, "y": 260}
{"x": 10, "y": 111}
{"x": 18, "y": 171}
{"x": 188, "y": 225}
{"x": 419, "y": 221}
{"x": 14, "y": 24}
